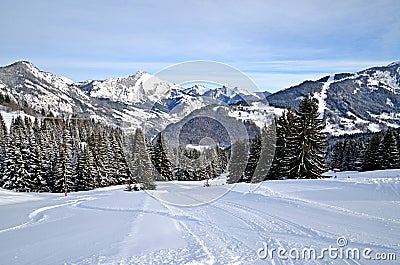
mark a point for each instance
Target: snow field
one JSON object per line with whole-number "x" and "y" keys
{"x": 111, "y": 226}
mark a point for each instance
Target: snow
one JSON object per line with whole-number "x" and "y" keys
{"x": 228, "y": 226}
{"x": 373, "y": 127}
{"x": 259, "y": 113}
{"x": 9, "y": 116}
{"x": 386, "y": 116}
{"x": 141, "y": 87}
{"x": 67, "y": 80}
{"x": 200, "y": 148}
{"x": 389, "y": 102}
{"x": 321, "y": 96}
{"x": 384, "y": 77}
{"x": 9, "y": 197}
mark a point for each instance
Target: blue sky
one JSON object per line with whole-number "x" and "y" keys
{"x": 276, "y": 43}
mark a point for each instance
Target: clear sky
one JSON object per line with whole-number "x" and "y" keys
{"x": 276, "y": 43}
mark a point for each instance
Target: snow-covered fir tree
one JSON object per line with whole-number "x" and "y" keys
{"x": 160, "y": 159}
{"x": 142, "y": 170}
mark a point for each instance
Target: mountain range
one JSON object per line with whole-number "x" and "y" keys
{"x": 368, "y": 100}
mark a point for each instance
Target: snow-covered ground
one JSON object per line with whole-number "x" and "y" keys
{"x": 111, "y": 226}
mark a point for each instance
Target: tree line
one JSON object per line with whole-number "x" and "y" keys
{"x": 57, "y": 155}
{"x": 366, "y": 152}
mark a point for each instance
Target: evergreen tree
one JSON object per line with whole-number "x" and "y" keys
{"x": 17, "y": 176}
{"x": 284, "y": 132}
{"x": 119, "y": 160}
{"x": 372, "y": 157}
{"x": 160, "y": 159}
{"x": 390, "y": 151}
{"x": 337, "y": 157}
{"x": 306, "y": 146}
{"x": 254, "y": 155}
{"x": 3, "y": 146}
{"x": 267, "y": 153}
{"x": 84, "y": 177}
{"x": 347, "y": 155}
{"x": 238, "y": 161}
{"x": 142, "y": 170}
{"x": 360, "y": 153}
{"x": 221, "y": 161}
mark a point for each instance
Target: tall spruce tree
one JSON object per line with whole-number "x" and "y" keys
{"x": 238, "y": 161}
{"x": 306, "y": 145}
{"x": 3, "y": 146}
{"x": 284, "y": 131}
{"x": 390, "y": 151}
{"x": 337, "y": 156}
{"x": 267, "y": 153}
{"x": 254, "y": 156}
{"x": 372, "y": 156}
{"x": 160, "y": 159}
{"x": 142, "y": 169}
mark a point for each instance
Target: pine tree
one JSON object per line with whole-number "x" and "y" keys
{"x": 120, "y": 163}
{"x": 308, "y": 142}
{"x": 346, "y": 155}
{"x": 267, "y": 153}
{"x": 3, "y": 146}
{"x": 280, "y": 166}
{"x": 160, "y": 159}
{"x": 390, "y": 151}
{"x": 221, "y": 161}
{"x": 337, "y": 157}
{"x": 142, "y": 170}
{"x": 36, "y": 160}
{"x": 254, "y": 155}
{"x": 84, "y": 178}
{"x": 372, "y": 157}
{"x": 238, "y": 161}
{"x": 16, "y": 175}
{"x": 360, "y": 154}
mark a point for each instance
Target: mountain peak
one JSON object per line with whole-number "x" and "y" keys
{"x": 24, "y": 64}
{"x": 397, "y": 63}
{"x": 138, "y": 74}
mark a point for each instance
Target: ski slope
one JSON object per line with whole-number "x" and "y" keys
{"x": 111, "y": 226}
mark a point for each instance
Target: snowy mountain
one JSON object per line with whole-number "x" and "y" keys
{"x": 131, "y": 102}
{"x": 225, "y": 94}
{"x": 352, "y": 102}
{"x": 133, "y": 89}
{"x": 364, "y": 101}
